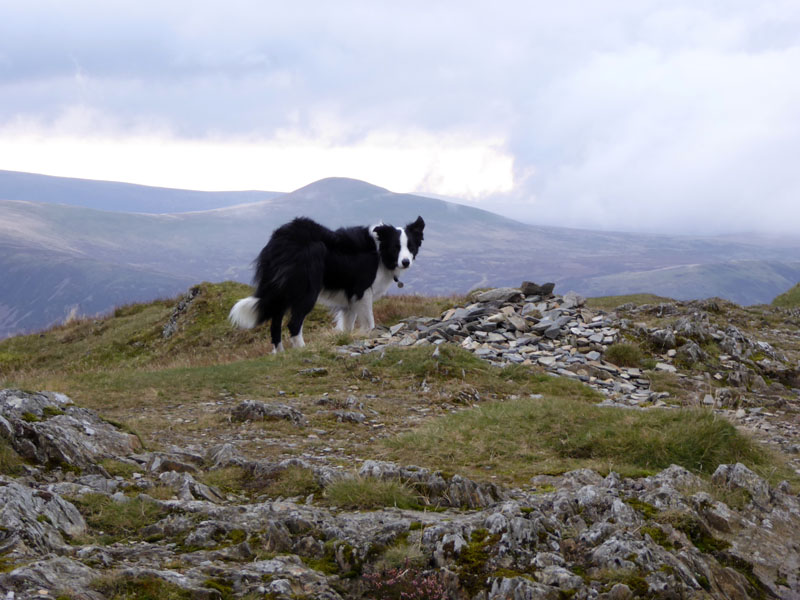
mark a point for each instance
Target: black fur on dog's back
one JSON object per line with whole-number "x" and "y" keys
{"x": 302, "y": 258}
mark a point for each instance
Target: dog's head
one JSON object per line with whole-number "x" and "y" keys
{"x": 398, "y": 246}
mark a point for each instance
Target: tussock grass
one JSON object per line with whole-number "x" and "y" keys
{"x": 369, "y": 493}
{"x": 662, "y": 381}
{"x": 401, "y": 554}
{"x": 452, "y": 362}
{"x": 624, "y": 354}
{"x": 292, "y": 481}
{"x": 119, "y": 468}
{"x": 517, "y": 439}
{"x": 227, "y": 479}
{"x": 117, "y": 520}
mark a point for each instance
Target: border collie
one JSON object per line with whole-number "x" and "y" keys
{"x": 344, "y": 269}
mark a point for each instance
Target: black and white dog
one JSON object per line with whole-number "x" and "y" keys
{"x": 346, "y": 269}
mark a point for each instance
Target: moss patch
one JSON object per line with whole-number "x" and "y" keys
{"x": 472, "y": 562}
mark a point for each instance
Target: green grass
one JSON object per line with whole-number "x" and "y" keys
{"x": 10, "y": 461}
{"x": 662, "y": 381}
{"x": 454, "y": 364}
{"x": 401, "y": 554}
{"x": 789, "y": 299}
{"x": 515, "y": 440}
{"x": 293, "y": 481}
{"x": 369, "y": 493}
{"x": 451, "y": 374}
{"x": 229, "y": 480}
{"x": 624, "y": 354}
{"x": 131, "y": 337}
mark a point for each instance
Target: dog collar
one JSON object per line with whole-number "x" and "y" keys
{"x": 398, "y": 282}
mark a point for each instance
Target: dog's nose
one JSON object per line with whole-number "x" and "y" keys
{"x": 406, "y": 263}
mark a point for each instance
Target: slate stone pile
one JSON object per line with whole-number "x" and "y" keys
{"x": 507, "y": 326}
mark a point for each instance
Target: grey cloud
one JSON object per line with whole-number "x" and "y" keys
{"x": 619, "y": 115}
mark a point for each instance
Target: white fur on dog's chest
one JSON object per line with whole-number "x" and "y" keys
{"x": 383, "y": 279}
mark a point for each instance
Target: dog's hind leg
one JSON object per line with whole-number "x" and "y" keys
{"x": 300, "y": 310}
{"x": 275, "y": 329}
{"x": 297, "y": 341}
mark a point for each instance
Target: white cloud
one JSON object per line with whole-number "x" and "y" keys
{"x": 80, "y": 145}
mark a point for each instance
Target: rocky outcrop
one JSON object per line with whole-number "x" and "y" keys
{"x": 259, "y": 411}
{"x": 579, "y": 534}
{"x": 47, "y": 428}
{"x": 35, "y": 521}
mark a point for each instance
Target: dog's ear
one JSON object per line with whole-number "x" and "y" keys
{"x": 382, "y": 232}
{"x": 416, "y": 227}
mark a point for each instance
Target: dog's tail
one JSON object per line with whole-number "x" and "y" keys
{"x": 245, "y": 313}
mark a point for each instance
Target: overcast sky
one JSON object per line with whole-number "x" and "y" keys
{"x": 638, "y": 115}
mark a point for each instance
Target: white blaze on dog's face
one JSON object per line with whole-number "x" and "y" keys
{"x": 410, "y": 241}
{"x": 404, "y": 257}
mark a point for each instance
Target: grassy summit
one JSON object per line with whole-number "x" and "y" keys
{"x": 445, "y": 410}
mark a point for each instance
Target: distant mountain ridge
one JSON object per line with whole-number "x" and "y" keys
{"x": 115, "y": 196}
{"x": 59, "y": 258}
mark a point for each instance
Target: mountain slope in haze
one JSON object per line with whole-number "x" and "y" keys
{"x": 41, "y": 287}
{"x": 114, "y": 196}
{"x": 464, "y": 248}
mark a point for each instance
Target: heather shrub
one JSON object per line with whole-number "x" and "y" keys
{"x": 406, "y": 583}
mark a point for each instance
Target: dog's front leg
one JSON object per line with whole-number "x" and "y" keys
{"x": 366, "y": 319}
{"x": 349, "y": 318}
{"x": 339, "y": 314}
